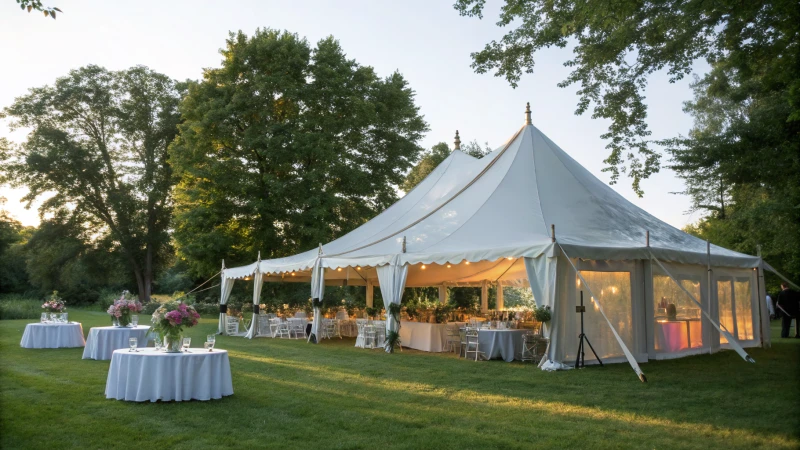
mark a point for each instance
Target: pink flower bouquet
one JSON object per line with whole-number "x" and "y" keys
{"x": 54, "y": 304}
{"x": 169, "y": 320}
{"x": 123, "y": 308}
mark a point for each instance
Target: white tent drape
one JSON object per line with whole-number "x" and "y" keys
{"x": 225, "y": 292}
{"x": 392, "y": 279}
{"x": 258, "y": 281}
{"x": 317, "y": 292}
{"x": 542, "y": 278}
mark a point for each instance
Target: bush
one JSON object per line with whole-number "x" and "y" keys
{"x": 15, "y": 306}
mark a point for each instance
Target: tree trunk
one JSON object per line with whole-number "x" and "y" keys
{"x": 148, "y": 275}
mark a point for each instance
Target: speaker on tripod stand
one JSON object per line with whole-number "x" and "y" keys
{"x": 580, "y": 359}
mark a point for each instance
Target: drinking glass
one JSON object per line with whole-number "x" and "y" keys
{"x": 186, "y": 343}
{"x": 157, "y": 343}
{"x": 133, "y": 342}
{"x": 44, "y": 318}
{"x": 54, "y": 317}
{"x": 135, "y": 320}
{"x": 64, "y": 317}
{"x": 208, "y": 345}
{"x": 210, "y": 340}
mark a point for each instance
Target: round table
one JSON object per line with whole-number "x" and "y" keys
{"x": 102, "y": 341}
{"x": 149, "y": 374}
{"x": 52, "y": 335}
{"x": 505, "y": 344}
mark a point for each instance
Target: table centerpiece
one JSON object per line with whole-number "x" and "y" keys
{"x": 54, "y": 304}
{"x": 169, "y": 320}
{"x": 122, "y": 309}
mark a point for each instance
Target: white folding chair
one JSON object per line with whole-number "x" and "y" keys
{"x": 297, "y": 327}
{"x": 471, "y": 335}
{"x": 360, "y": 338}
{"x": 453, "y": 338}
{"x": 278, "y": 328}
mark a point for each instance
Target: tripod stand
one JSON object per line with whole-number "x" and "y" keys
{"x": 580, "y": 360}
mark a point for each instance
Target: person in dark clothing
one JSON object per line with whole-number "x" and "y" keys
{"x": 788, "y": 304}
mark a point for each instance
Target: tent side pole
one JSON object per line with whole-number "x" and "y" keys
{"x": 762, "y": 303}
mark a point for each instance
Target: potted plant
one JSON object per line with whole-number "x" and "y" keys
{"x": 169, "y": 320}
{"x": 542, "y": 315}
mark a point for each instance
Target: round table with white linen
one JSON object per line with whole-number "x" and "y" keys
{"x": 102, "y": 341}
{"x": 505, "y": 344}
{"x": 150, "y": 375}
{"x": 52, "y": 335}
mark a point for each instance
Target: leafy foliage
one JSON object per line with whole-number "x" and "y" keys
{"x": 285, "y": 146}
{"x": 619, "y": 44}
{"x": 99, "y": 144}
{"x": 37, "y": 5}
{"x": 435, "y": 156}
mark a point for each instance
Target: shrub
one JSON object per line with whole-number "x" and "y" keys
{"x": 15, "y": 306}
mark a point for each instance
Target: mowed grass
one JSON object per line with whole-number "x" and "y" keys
{"x": 291, "y": 394}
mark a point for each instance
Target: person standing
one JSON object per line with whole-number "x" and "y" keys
{"x": 788, "y": 303}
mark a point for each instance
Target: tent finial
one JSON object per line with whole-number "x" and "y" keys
{"x": 528, "y": 114}
{"x": 320, "y": 248}
{"x": 457, "y": 142}
{"x": 647, "y": 238}
{"x": 553, "y": 232}
{"x": 404, "y": 244}
{"x": 259, "y": 255}
{"x": 223, "y": 264}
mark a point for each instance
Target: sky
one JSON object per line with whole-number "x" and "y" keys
{"x": 427, "y": 41}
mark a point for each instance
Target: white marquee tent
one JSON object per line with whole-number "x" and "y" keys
{"x": 489, "y": 222}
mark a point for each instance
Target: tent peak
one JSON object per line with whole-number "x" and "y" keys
{"x": 528, "y": 113}
{"x": 457, "y": 142}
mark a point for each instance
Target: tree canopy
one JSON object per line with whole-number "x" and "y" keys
{"x": 98, "y": 146}
{"x": 285, "y": 146}
{"x": 619, "y": 44}
{"x": 435, "y": 156}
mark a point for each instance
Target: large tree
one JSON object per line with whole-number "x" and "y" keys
{"x": 285, "y": 146}
{"x": 435, "y": 156}
{"x": 98, "y": 145}
{"x": 618, "y": 44}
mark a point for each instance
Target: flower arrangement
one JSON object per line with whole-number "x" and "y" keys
{"x": 54, "y": 304}
{"x": 169, "y": 320}
{"x": 123, "y": 308}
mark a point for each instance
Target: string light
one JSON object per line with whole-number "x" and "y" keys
{"x": 448, "y": 266}
{"x": 339, "y": 269}
{"x": 358, "y": 267}
{"x": 423, "y": 267}
{"x": 292, "y": 273}
{"x": 509, "y": 258}
{"x": 467, "y": 262}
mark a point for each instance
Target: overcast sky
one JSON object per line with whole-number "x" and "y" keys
{"x": 427, "y": 41}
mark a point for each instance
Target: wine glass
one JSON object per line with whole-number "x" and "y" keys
{"x": 186, "y": 343}
{"x": 133, "y": 342}
{"x": 44, "y": 318}
{"x": 210, "y": 340}
{"x": 135, "y": 320}
{"x": 64, "y": 317}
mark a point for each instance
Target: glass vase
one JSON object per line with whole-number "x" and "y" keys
{"x": 172, "y": 344}
{"x": 124, "y": 320}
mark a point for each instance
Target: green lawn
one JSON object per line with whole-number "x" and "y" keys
{"x": 296, "y": 395}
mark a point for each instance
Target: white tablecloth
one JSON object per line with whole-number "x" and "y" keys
{"x": 505, "y": 344}
{"x": 102, "y": 341}
{"x": 428, "y": 337}
{"x": 154, "y": 375}
{"x": 52, "y": 335}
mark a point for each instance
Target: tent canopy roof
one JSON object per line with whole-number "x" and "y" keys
{"x": 501, "y": 206}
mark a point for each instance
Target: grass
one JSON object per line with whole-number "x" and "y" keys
{"x": 14, "y": 306}
{"x": 292, "y": 394}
